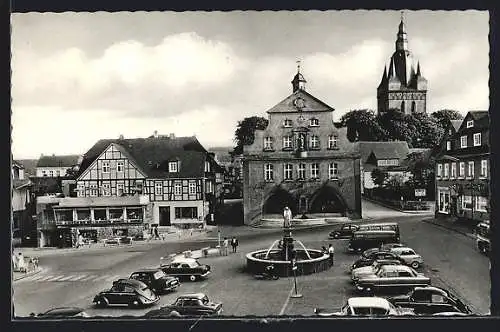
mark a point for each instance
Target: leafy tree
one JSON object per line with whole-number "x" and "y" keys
{"x": 399, "y": 126}
{"x": 379, "y": 177}
{"x": 443, "y": 117}
{"x": 71, "y": 172}
{"x": 426, "y": 131}
{"x": 245, "y": 132}
{"x": 362, "y": 125}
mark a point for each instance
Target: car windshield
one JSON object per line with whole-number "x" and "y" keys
{"x": 159, "y": 274}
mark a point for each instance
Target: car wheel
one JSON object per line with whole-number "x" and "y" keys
{"x": 415, "y": 265}
{"x": 102, "y": 302}
{"x": 192, "y": 278}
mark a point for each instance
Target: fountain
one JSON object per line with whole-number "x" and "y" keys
{"x": 307, "y": 260}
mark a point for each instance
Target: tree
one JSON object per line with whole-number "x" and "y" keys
{"x": 399, "y": 126}
{"x": 245, "y": 132}
{"x": 379, "y": 177}
{"x": 425, "y": 131}
{"x": 362, "y": 125}
{"x": 443, "y": 117}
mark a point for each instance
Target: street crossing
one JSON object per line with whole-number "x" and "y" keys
{"x": 72, "y": 277}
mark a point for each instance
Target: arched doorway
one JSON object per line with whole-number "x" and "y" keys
{"x": 327, "y": 200}
{"x": 277, "y": 201}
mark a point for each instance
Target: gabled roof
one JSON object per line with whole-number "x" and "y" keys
{"x": 383, "y": 150}
{"x": 57, "y": 161}
{"x": 153, "y": 154}
{"x": 476, "y": 115}
{"x": 311, "y": 104}
{"x": 456, "y": 124}
{"x": 20, "y": 183}
{"x": 481, "y": 119}
{"x": 29, "y": 165}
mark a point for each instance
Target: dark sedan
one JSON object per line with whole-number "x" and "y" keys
{"x": 156, "y": 279}
{"x": 369, "y": 261}
{"x": 186, "y": 268}
{"x": 63, "y": 312}
{"x": 430, "y": 300}
{"x": 133, "y": 293}
{"x": 345, "y": 231}
{"x": 196, "y": 304}
{"x": 392, "y": 279}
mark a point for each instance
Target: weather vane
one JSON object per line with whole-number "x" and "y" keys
{"x": 402, "y": 15}
{"x": 298, "y": 66}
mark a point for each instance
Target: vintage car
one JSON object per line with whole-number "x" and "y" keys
{"x": 430, "y": 300}
{"x": 186, "y": 268}
{"x": 156, "y": 279}
{"x": 366, "y": 306}
{"x": 196, "y": 304}
{"x": 345, "y": 231}
{"x": 362, "y": 240}
{"x": 389, "y": 246}
{"x": 372, "y": 269}
{"x": 133, "y": 293}
{"x": 364, "y": 261}
{"x": 409, "y": 255}
{"x": 63, "y": 312}
{"x": 392, "y": 279}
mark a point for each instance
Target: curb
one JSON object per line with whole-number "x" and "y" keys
{"x": 396, "y": 209}
{"x": 32, "y": 273}
{"x": 429, "y": 221}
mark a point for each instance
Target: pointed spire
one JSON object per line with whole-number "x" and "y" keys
{"x": 402, "y": 28}
{"x": 392, "y": 70}
{"x": 418, "y": 69}
{"x": 298, "y": 82}
{"x": 384, "y": 76}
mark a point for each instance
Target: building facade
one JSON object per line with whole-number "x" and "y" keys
{"x": 23, "y": 229}
{"x": 402, "y": 87}
{"x": 56, "y": 166}
{"x": 125, "y": 186}
{"x": 301, "y": 160}
{"x": 463, "y": 170}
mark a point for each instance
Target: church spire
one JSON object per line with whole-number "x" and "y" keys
{"x": 402, "y": 41}
{"x": 418, "y": 69}
{"x": 298, "y": 82}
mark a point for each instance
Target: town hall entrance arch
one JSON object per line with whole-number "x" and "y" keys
{"x": 277, "y": 201}
{"x": 328, "y": 200}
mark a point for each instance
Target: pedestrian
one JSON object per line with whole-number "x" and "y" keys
{"x": 331, "y": 251}
{"x": 157, "y": 234}
{"x": 15, "y": 262}
{"x": 21, "y": 264}
{"x": 225, "y": 245}
{"x": 234, "y": 243}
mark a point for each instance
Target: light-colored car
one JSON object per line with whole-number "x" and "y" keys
{"x": 371, "y": 269}
{"x": 366, "y": 306}
{"x": 389, "y": 246}
{"x": 409, "y": 256}
{"x": 392, "y": 278}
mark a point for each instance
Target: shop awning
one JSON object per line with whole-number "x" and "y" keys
{"x": 75, "y": 202}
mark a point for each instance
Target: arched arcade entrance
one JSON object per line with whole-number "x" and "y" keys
{"x": 277, "y": 201}
{"x": 327, "y": 200}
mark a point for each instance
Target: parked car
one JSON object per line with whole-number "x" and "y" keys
{"x": 430, "y": 300}
{"x": 366, "y": 261}
{"x": 389, "y": 246}
{"x": 372, "y": 269}
{"x": 133, "y": 293}
{"x": 392, "y": 279}
{"x": 63, "y": 312}
{"x": 345, "y": 231}
{"x": 370, "y": 251}
{"x": 196, "y": 304}
{"x": 156, "y": 279}
{"x": 366, "y": 306}
{"x": 409, "y": 256}
{"x": 186, "y": 267}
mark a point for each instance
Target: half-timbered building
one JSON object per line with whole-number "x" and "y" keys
{"x": 125, "y": 186}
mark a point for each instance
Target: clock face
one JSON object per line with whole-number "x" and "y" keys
{"x": 299, "y": 103}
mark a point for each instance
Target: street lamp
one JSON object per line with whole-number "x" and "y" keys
{"x": 295, "y": 294}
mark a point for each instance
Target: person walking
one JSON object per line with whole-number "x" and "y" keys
{"x": 157, "y": 234}
{"x": 234, "y": 244}
{"x": 21, "y": 263}
{"x": 331, "y": 251}
{"x": 225, "y": 245}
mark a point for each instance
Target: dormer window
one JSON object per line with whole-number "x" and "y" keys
{"x": 207, "y": 166}
{"x": 287, "y": 123}
{"x": 173, "y": 167}
{"x": 313, "y": 122}
{"x": 470, "y": 123}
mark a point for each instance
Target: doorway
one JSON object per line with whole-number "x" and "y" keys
{"x": 303, "y": 204}
{"x": 164, "y": 212}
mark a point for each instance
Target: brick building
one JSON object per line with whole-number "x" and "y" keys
{"x": 301, "y": 160}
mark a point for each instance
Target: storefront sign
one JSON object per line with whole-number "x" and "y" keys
{"x": 420, "y": 192}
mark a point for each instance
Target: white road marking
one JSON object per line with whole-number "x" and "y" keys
{"x": 47, "y": 278}
{"x": 55, "y": 278}
{"x": 78, "y": 277}
{"x": 92, "y": 276}
{"x": 286, "y": 302}
{"x": 36, "y": 278}
{"x": 67, "y": 278}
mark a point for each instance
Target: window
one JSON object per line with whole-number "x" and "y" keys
{"x": 287, "y": 142}
{"x": 106, "y": 189}
{"x": 209, "y": 187}
{"x": 463, "y": 142}
{"x": 58, "y": 173}
{"x": 192, "y": 188}
{"x": 484, "y": 168}
{"x": 268, "y": 143}
{"x": 477, "y": 139}
{"x": 453, "y": 170}
{"x": 470, "y": 123}
{"x": 382, "y": 162}
{"x": 51, "y": 174}
{"x": 287, "y": 123}
{"x": 177, "y": 189}
{"x": 466, "y": 202}
{"x": 481, "y": 204}
{"x": 392, "y": 162}
{"x": 461, "y": 172}
{"x": 470, "y": 172}
{"x": 333, "y": 171}
{"x": 439, "y": 170}
{"x": 315, "y": 171}
{"x": 115, "y": 214}
{"x": 301, "y": 171}
{"x": 333, "y": 141}
{"x": 119, "y": 189}
{"x": 172, "y": 167}
{"x": 443, "y": 201}
{"x": 448, "y": 145}
{"x": 83, "y": 214}
{"x": 93, "y": 190}
{"x": 158, "y": 188}
{"x": 81, "y": 190}
{"x": 186, "y": 213}
{"x": 207, "y": 166}
{"x": 314, "y": 142}
{"x": 119, "y": 166}
{"x": 268, "y": 172}
{"x": 313, "y": 122}
{"x": 287, "y": 171}
{"x": 446, "y": 170}
{"x": 105, "y": 166}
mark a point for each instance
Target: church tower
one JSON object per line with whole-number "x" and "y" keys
{"x": 402, "y": 87}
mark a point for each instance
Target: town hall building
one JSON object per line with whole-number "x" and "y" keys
{"x": 301, "y": 160}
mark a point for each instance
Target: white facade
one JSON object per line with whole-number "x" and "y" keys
{"x": 51, "y": 171}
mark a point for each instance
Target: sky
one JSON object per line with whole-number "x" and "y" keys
{"x": 81, "y": 77}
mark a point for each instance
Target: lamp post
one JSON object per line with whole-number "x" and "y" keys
{"x": 295, "y": 294}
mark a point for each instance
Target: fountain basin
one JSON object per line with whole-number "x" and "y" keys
{"x": 257, "y": 262}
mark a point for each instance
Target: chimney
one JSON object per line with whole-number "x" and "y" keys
{"x": 171, "y": 135}
{"x": 121, "y": 136}
{"x": 155, "y": 134}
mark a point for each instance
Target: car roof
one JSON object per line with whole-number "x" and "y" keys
{"x": 63, "y": 310}
{"x": 147, "y": 270}
{"x": 191, "y": 296}
{"x": 401, "y": 249}
{"x": 432, "y": 288}
{"x": 371, "y": 301}
{"x": 183, "y": 260}
{"x": 380, "y": 224}
{"x": 395, "y": 268}
{"x": 132, "y": 282}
